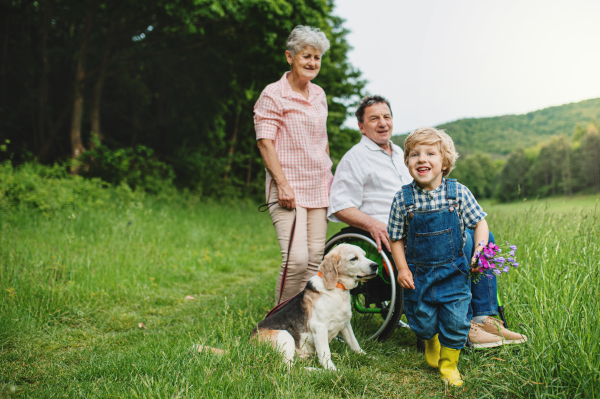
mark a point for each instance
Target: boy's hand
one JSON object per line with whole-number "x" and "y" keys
{"x": 405, "y": 279}
{"x": 474, "y": 265}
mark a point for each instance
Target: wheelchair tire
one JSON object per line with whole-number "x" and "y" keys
{"x": 376, "y": 304}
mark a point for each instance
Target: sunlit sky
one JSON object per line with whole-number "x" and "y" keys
{"x": 442, "y": 60}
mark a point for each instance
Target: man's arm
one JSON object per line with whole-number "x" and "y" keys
{"x": 356, "y": 218}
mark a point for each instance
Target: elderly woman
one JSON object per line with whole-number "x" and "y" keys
{"x": 290, "y": 121}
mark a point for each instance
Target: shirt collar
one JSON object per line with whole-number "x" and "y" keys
{"x": 286, "y": 88}
{"x": 430, "y": 193}
{"x": 371, "y": 145}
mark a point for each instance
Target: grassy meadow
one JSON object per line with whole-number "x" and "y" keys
{"x": 93, "y": 304}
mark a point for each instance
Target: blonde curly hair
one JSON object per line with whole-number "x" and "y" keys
{"x": 433, "y": 136}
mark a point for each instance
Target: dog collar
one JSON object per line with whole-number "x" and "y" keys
{"x": 338, "y": 285}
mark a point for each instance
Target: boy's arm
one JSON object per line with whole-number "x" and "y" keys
{"x": 482, "y": 233}
{"x": 405, "y": 277}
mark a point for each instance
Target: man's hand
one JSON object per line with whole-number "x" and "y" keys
{"x": 405, "y": 278}
{"x": 287, "y": 197}
{"x": 378, "y": 231}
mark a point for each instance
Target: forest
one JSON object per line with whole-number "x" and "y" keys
{"x": 159, "y": 96}
{"x": 549, "y": 152}
{"x": 156, "y": 93}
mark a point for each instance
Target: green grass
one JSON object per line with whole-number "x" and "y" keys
{"x": 75, "y": 286}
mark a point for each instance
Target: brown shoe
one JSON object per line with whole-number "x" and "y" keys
{"x": 482, "y": 339}
{"x": 496, "y": 327}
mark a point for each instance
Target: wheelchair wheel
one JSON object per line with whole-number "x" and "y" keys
{"x": 377, "y": 303}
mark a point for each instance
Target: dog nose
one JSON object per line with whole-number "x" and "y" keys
{"x": 374, "y": 267}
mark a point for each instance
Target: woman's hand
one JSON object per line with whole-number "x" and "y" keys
{"x": 287, "y": 197}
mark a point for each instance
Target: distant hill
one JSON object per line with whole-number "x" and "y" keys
{"x": 501, "y": 135}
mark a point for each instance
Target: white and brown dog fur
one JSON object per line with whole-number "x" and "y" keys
{"x": 307, "y": 324}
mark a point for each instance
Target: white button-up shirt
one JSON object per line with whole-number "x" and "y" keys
{"x": 367, "y": 178}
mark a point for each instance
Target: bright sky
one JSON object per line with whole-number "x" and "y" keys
{"x": 442, "y": 60}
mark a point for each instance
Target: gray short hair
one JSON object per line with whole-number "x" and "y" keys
{"x": 303, "y": 36}
{"x": 367, "y": 102}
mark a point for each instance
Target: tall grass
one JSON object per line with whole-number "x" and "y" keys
{"x": 554, "y": 297}
{"x": 75, "y": 286}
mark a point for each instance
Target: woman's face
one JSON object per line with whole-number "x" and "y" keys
{"x": 306, "y": 63}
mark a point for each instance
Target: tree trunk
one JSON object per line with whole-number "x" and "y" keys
{"x": 236, "y": 125}
{"x": 3, "y": 69}
{"x": 54, "y": 128}
{"x": 248, "y": 173}
{"x": 136, "y": 118}
{"x": 77, "y": 147}
{"x": 95, "y": 107}
{"x": 43, "y": 89}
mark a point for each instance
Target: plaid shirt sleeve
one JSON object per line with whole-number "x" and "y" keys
{"x": 472, "y": 213}
{"x": 396, "y": 221}
{"x": 267, "y": 117}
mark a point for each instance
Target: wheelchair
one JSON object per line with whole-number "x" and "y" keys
{"x": 377, "y": 303}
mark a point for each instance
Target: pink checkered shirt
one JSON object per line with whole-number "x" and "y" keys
{"x": 298, "y": 128}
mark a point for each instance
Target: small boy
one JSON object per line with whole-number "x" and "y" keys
{"x": 427, "y": 229}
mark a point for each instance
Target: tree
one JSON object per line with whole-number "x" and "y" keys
{"x": 478, "y": 173}
{"x": 177, "y": 76}
{"x": 513, "y": 183}
{"x": 587, "y": 160}
{"x": 551, "y": 173}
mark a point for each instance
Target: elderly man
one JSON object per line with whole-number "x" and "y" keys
{"x": 365, "y": 182}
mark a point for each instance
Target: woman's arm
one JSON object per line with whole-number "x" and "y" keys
{"x": 405, "y": 277}
{"x": 286, "y": 195}
{"x": 482, "y": 233}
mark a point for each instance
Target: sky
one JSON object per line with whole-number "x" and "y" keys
{"x": 442, "y": 60}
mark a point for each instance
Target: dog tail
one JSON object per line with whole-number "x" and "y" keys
{"x": 210, "y": 349}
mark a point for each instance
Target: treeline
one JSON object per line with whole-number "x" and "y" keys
{"x": 499, "y": 135}
{"x": 161, "y": 91}
{"x": 561, "y": 166}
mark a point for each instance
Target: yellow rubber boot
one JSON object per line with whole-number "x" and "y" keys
{"x": 432, "y": 351}
{"x": 448, "y": 366}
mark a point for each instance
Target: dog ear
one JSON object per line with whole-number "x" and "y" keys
{"x": 329, "y": 269}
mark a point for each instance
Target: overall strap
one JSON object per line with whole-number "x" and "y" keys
{"x": 407, "y": 195}
{"x": 451, "y": 190}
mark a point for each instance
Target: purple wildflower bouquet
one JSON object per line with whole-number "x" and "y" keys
{"x": 491, "y": 263}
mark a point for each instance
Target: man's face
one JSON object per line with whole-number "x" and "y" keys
{"x": 377, "y": 124}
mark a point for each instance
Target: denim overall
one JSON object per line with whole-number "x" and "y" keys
{"x": 434, "y": 253}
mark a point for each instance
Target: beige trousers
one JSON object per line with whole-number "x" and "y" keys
{"x": 308, "y": 245}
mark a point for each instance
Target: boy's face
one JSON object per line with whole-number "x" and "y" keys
{"x": 425, "y": 166}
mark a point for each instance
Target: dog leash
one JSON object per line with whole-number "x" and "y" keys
{"x": 263, "y": 208}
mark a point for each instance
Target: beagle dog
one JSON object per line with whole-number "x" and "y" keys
{"x": 309, "y": 321}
